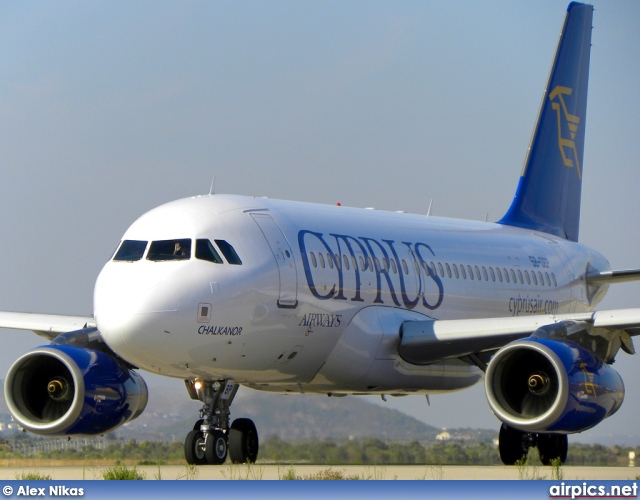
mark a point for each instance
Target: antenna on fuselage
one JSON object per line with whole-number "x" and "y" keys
{"x": 213, "y": 183}
{"x": 429, "y": 211}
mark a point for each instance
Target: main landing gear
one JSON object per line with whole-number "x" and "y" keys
{"x": 212, "y": 438}
{"x": 515, "y": 444}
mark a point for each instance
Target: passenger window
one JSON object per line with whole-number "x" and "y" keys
{"x": 499, "y": 274}
{"x": 321, "y": 259}
{"x": 346, "y": 262}
{"x": 164, "y": 250}
{"x": 229, "y": 252}
{"x": 553, "y": 277}
{"x": 505, "y": 274}
{"x": 338, "y": 261}
{"x": 205, "y": 251}
{"x": 546, "y": 275}
{"x": 533, "y": 277}
{"x": 526, "y": 275}
{"x": 448, "y": 269}
{"x": 330, "y": 260}
{"x": 130, "y": 250}
{"x": 441, "y": 270}
{"x": 493, "y": 276}
{"x": 540, "y": 278}
{"x": 477, "y": 273}
{"x": 513, "y": 276}
{"x": 394, "y": 268}
{"x": 520, "y": 278}
{"x": 361, "y": 262}
{"x": 469, "y": 271}
{"x": 314, "y": 262}
{"x": 455, "y": 271}
{"x": 484, "y": 273}
{"x": 405, "y": 267}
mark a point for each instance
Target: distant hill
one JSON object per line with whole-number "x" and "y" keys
{"x": 290, "y": 417}
{"x": 320, "y": 417}
{"x": 297, "y": 417}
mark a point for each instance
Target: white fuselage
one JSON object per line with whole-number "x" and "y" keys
{"x": 317, "y": 301}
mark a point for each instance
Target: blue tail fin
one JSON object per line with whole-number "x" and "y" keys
{"x": 548, "y": 194}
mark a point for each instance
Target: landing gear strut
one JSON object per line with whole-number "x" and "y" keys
{"x": 212, "y": 438}
{"x": 514, "y": 445}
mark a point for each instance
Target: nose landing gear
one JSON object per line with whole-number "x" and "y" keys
{"x": 212, "y": 438}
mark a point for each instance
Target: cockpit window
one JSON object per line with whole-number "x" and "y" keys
{"x": 229, "y": 252}
{"x": 170, "y": 250}
{"x": 206, "y": 251}
{"x": 130, "y": 250}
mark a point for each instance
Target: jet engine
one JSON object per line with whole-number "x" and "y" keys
{"x": 60, "y": 390}
{"x": 544, "y": 385}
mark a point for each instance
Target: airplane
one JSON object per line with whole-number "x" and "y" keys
{"x": 224, "y": 291}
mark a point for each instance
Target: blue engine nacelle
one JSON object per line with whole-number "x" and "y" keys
{"x": 544, "y": 385}
{"x": 59, "y": 390}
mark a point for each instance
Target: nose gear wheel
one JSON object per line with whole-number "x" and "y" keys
{"x": 212, "y": 438}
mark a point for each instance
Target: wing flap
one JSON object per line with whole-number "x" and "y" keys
{"x": 48, "y": 326}
{"x": 620, "y": 319}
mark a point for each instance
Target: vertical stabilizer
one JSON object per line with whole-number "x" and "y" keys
{"x": 548, "y": 194}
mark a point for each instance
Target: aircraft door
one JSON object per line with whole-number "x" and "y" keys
{"x": 284, "y": 258}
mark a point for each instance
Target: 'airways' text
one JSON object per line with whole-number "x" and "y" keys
{"x": 325, "y": 320}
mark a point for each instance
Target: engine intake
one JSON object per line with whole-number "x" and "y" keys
{"x": 62, "y": 390}
{"x": 544, "y": 385}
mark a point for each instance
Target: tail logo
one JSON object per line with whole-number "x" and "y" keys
{"x": 566, "y": 145}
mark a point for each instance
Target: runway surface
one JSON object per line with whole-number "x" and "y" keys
{"x": 391, "y": 472}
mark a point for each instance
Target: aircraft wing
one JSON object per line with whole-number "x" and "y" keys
{"x": 48, "y": 326}
{"x": 424, "y": 342}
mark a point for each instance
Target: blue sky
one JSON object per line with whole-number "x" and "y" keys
{"x": 108, "y": 109}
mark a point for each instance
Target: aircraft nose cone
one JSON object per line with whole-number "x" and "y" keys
{"x": 135, "y": 310}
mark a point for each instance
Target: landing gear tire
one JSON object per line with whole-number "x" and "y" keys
{"x": 552, "y": 446}
{"x": 208, "y": 442}
{"x": 216, "y": 448}
{"x": 194, "y": 448}
{"x": 243, "y": 441}
{"x": 512, "y": 445}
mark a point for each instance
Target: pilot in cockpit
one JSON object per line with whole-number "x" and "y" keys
{"x": 179, "y": 250}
